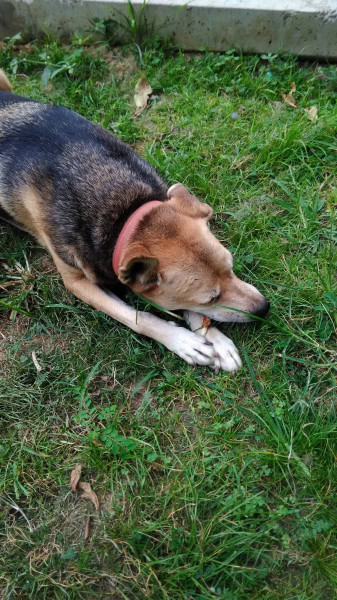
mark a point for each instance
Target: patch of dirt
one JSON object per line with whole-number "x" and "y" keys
{"x": 139, "y": 147}
{"x": 137, "y": 399}
{"x": 10, "y": 331}
{"x": 16, "y": 332}
{"x": 107, "y": 502}
{"x": 117, "y": 62}
{"x": 45, "y": 263}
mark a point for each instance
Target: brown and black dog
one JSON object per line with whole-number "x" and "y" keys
{"x": 110, "y": 221}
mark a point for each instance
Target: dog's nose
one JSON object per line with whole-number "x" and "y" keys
{"x": 262, "y": 310}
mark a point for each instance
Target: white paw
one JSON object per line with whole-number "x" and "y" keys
{"x": 226, "y": 355}
{"x": 192, "y": 347}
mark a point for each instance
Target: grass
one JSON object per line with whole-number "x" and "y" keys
{"x": 210, "y": 486}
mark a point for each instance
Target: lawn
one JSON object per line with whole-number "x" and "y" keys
{"x": 209, "y": 486}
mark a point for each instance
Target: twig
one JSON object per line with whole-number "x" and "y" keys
{"x": 35, "y": 361}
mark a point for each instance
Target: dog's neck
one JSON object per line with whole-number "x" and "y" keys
{"x": 129, "y": 229}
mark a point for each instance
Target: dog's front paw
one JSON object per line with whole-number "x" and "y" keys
{"x": 195, "y": 349}
{"x": 226, "y": 355}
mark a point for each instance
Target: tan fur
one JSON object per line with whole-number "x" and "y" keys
{"x": 192, "y": 267}
{"x": 30, "y": 210}
{"x": 188, "y": 204}
{"x": 26, "y": 210}
{"x": 5, "y": 85}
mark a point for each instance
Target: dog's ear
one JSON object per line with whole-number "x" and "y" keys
{"x": 180, "y": 198}
{"x": 138, "y": 269}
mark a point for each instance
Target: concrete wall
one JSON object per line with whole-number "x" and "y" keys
{"x": 306, "y": 28}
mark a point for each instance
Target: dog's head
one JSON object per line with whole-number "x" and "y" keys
{"x": 174, "y": 260}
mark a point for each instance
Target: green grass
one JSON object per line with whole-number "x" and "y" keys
{"x": 211, "y": 486}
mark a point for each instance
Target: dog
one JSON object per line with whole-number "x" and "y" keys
{"x": 111, "y": 223}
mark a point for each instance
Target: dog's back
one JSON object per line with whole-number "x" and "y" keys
{"x": 88, "y": 180}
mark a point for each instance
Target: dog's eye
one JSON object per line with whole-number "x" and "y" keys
{"x": 214, "y": 298}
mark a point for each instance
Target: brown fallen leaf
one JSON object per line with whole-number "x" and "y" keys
{"x": 9, "y": 283}
{"x": 95, "y": 393}
{"x": 312, "y": 113}
{"x": 88, "y": 493}
{"x": 75, "y": 476}
{"x": 238, "y": 163}
{"x": 157, "y": 465}
{"x": 87, "y": 529}
{"x": 143, "y": 91}
{"x": 288, "y": 98}
{"x": 82, "y": 485}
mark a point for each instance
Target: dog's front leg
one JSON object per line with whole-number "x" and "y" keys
{"x": 190, "y": 346}
{"x": 226, "y": 355}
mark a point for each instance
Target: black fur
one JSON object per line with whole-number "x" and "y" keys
{"x": 89, "y": 180}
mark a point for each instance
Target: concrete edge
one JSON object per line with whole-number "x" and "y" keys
{"x": 308, "y": 29}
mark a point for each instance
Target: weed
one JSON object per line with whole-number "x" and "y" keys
{"x": 131, "y": 26}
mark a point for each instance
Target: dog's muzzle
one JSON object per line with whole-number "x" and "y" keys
{"x": 263, "y": 309}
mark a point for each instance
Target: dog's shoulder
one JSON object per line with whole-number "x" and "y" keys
{"x": 88, "y": 181}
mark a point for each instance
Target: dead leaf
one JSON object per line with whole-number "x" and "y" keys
{"x": 312, "y": 113}
{"x": 288, "y": 98}
{"x": 95, "y": 393}
{"x": 75, "y": 476}
{"x": 143, "y": 91}
{"x": 82, "y": 485}
{"x": 238, "y": 163}
{"x": 87, "y": 529}
{"x": 9, "y": 283}
{"x": 88, "y": 493}
{"x": 157, "y": 465}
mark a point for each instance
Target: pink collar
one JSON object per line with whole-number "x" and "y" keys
{"x": 129, "y": 229}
